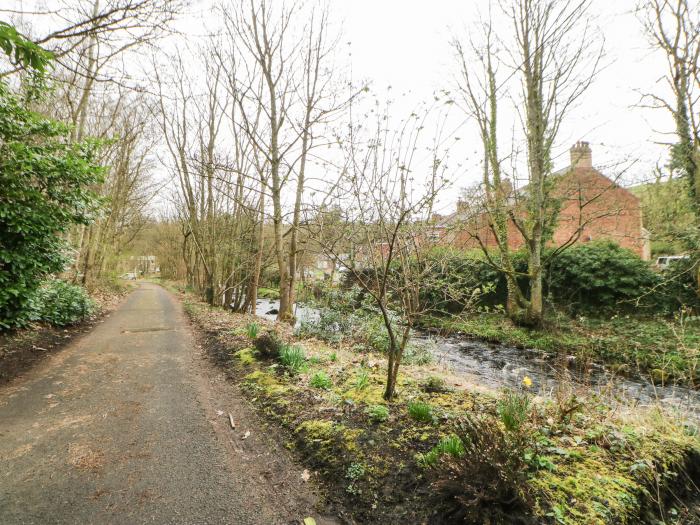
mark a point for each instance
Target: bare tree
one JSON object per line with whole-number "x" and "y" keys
{"x": 284, "y": 119}
{"x": 673, "y": 26}
{"x": 554, "y": 55}
{"x": 479, "y": 91}
{"x": 384, "y": 210}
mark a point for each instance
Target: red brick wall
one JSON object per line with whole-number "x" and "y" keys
{"x": 590, "y": 202}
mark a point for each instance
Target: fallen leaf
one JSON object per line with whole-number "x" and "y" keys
{"x": 305, "y": 475}
{"x": 247, "y": 433}
{"x": 309, "y": 521}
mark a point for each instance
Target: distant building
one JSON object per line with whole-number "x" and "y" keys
{"x": 593, "y": 207}
{"x": 144, "y": 264}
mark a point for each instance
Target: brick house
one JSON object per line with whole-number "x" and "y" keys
{"x": 592, "y": 207}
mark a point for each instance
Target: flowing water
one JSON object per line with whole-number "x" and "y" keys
{"x": 497, "y": 366}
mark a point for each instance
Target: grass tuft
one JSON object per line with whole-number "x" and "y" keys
{"x": 292, "y": 358}
{"x": 513, "y": 409}
{"x": 321, "y": 380}
{"x": 450, "y": 445}
{"x": 252, "y": 330}
{"x": 362, "y": 380}
{"x": 420, "y": 411}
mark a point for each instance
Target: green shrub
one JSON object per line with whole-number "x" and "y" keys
{"x": 591, "y": 278}
{"x": 455, "y": 277}
{"x": 321, "y": 380}
{"x": 252, "y": 330}
{"x": 420, "y": 411}
{"x": 47, "y": 184}
{"x": 362, "y": 380}
{"x": 434, "y": 384}
{"x": 331, "y": 324}
{"x": 678, "y": 287}
{"x": 450, "y": 445}
{"x": 513, "y": 409}
{"x": 268, "y": 345}
{"x": 417, "y": 354}
{"x": 600, "y": 276}
{"x": 60, "y": 304}
{"x": 292, "y": 358}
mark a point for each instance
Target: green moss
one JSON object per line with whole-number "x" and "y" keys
{"x": 246, "y": 356}
{"x": 610, "y": 476}
{"x": 267, "y": 384}
{"x": 372, "y": 395}
{"x": 330, "y": 444}
{"x": 587, "y": 491}
{"x": 268, "y": 293}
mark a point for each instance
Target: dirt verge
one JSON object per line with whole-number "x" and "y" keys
{"x": 22, "y": 349}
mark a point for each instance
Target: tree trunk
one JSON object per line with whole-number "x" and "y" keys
{"x": 534, "y": 313}
{"x": 257, "y": 266}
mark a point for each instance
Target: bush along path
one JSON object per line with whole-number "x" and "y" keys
{"x": 60, "y": 313}
{"x": 441, "y": 454}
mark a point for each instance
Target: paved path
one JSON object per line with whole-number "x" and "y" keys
{"x": 122, "y": 427}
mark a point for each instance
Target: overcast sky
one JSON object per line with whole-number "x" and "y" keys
{"x": 405, "y": 44}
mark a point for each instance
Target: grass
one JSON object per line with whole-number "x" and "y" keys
{"x": 513, "y": 410}
{"x": 378, "y": 413}
{"x": 292, "y": 358}
{"x": 449, "y": 445}
{"x": 420, "y": 411}
{"x": 321, "y": 380}
{"x": 661, "y": 349}
{"x": 362, "y": 380}
{"x": 252, "y": 330}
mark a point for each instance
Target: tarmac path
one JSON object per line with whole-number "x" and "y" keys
{"x": 129, "y": 424}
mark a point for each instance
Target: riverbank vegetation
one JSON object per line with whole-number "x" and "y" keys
{"x": 443, "y": 453}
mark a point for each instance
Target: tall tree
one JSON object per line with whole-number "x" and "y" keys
{"x": 673, "y": 26}
{"x": 553, "y": 54}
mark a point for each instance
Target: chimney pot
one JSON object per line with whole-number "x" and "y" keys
{"x": 581, "y": 155}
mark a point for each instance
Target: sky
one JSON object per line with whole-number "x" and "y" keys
{"x": 405, "y": 44}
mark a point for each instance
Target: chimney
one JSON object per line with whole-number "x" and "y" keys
{"x": 581, "y": 156}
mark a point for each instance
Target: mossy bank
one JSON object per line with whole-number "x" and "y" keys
{"x": 567, "y": 459}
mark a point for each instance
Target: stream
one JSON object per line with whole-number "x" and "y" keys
{"x": 497, "y": 366}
